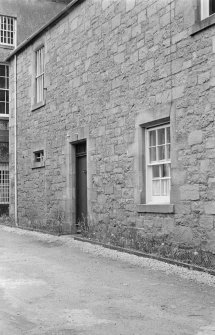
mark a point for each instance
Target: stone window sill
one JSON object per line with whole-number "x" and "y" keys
{"x": 201, "y": 25}
{"x": 37, "y": 165}
{"x": 5, "y": 46}
{"x": 161, "y": 208}
{"x": 4, "y": 116}
{"x": 38, "y": 105}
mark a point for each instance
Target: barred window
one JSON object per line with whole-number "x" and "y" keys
{"x": 7, "y": 30}
{"x": 40, "y": 75}
{"x": 4, "y": 89}
{"x": 158, "y": 164}
{"x": 4, "y": 183}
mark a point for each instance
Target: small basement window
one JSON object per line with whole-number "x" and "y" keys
{"x": 38, "y": 159}
{"x": 39, "y": 156}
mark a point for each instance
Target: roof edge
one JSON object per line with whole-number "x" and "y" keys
{"x": 50, "y": 23}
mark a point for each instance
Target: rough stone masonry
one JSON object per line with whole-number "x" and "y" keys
{"x": 111, "y": 68}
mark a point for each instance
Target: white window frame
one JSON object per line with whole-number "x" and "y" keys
{"x": 5, "y": 90}
{"x": 4, "y": 183}
{"x": 150, "y": 197}
{"x": 39, "y": 75}
{"x": 8, "y": 31}
{"x": 205, "y": 4}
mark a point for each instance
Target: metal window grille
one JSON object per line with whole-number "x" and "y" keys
{"x": 7, "y": 30}
{"x": 40, "y": 75}
{"x": 4, "y": 183}
{"x": 4, "y": 89}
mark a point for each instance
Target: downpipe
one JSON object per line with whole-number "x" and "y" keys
{"x": 15, "y": 142}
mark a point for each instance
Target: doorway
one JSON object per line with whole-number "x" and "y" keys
{"x": 81, "y": 183}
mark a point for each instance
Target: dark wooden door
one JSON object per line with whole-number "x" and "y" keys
{"x": 81, "y": 182}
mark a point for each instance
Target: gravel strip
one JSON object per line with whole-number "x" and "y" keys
{"x": 152, "y": 264}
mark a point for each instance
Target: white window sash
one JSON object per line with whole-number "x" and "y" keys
{"x": 150, "y": 198}
{"x": 40, "y": 75}
{"x": 204, "y": 9}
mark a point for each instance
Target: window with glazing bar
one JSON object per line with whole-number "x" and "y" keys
{"x": 158, "y": 169}
{"x": 40, "y": 75}
{"x": 4, "y": 183}
{"x": 7, "y": 30}
{"x": 4, "y": 89}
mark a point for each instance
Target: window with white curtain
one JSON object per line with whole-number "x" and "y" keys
{"x": 158, "y": 164}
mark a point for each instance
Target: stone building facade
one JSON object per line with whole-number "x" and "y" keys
{"x": 18, "y": 20}
{"x": 129, "y": 85}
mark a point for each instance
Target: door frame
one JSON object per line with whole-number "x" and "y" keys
{"x": 73, "y": 138}
{"x": 78, "y": 156}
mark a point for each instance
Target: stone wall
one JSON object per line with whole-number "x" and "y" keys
{"x": 112, "y": 66}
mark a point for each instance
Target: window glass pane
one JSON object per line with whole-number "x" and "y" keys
{"x": 164, "y": 170}
{"x": 2, "y": 70}
{"x": 38, "y": 156}
{"x": 2, "y": 95}
{"x": 7, "y": 83}
{"x": 7, "y": 71}
{"x": 168, "y": 151}
{"x": 7, "y": 108}
{"x": 165, "y": 187}
{"x": 156, "y": 187}
{"x": 152, "y": 152}
{"x": 7, "y": 96}
{"x": 168, "y": 135}
{"x": 2, "y": 108}
{"x": 2, "y": 82}
{"x": 211, "y": 7}
{"x": 161, "y": 136}
{"x": 161, "y": 152}
{"x": 152, "y": 138}
{"x": 155, "y": 171}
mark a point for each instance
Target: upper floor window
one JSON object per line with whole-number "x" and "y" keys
{"x": 7, "y": 30}
{"x": 207, "y": 8}
{"x": 40, "y": 75}
{"x": 4, "y": 89}
{"x": 158, "y": 164}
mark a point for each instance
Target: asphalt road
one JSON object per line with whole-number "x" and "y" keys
{"x": 48, "y": 287}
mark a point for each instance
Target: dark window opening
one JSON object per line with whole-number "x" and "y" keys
{"x": 211, "y": 7}
{"x": 39, "y": 156}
